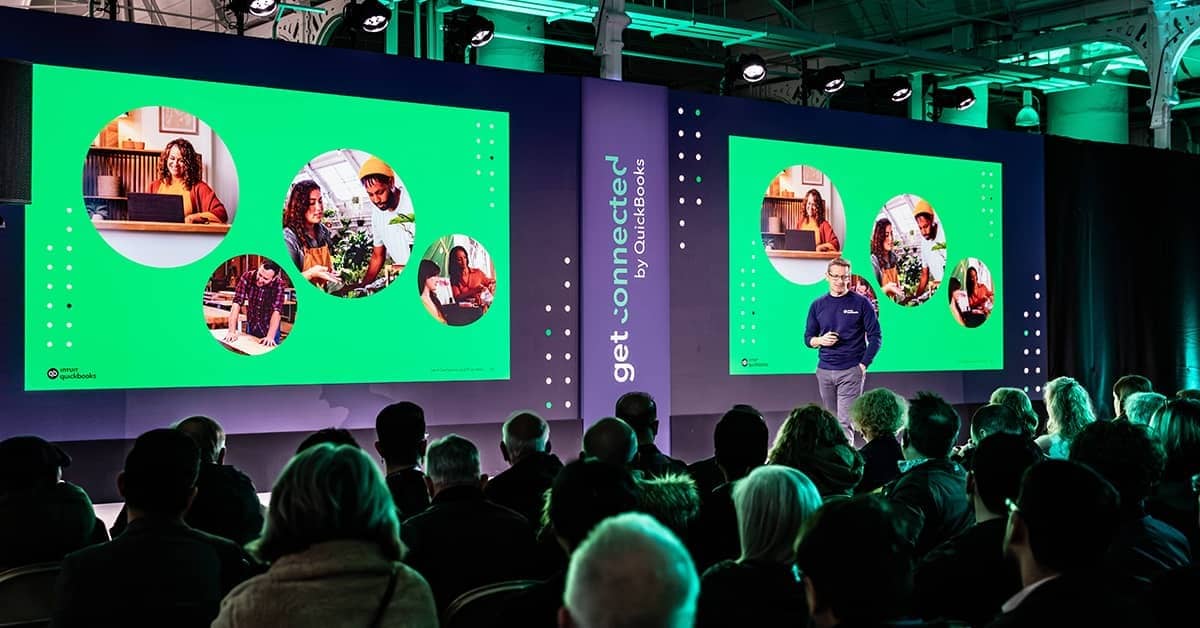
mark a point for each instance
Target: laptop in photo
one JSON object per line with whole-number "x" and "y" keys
{"x": 800, "y": 240}
{"x": 155, "y": 207}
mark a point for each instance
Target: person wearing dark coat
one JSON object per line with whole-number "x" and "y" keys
{"x": 400, "y": 428}
{"x": 878, "y": 414}
{"x": 640, "y": 412}
{"x": 525, "y": 445}
{"x": 812, "y": 441}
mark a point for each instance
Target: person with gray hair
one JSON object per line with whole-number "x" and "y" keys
{"x": 1140, "y": 407}
{"x": 463, "y": 540}
{"x": 525, "y": 445}
{"x": 1069, "y": 408}
{"x": 332, "y": 541}
{"x": 772, "y": 504}
{"x": 630, "y": 572}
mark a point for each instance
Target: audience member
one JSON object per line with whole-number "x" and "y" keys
{"x": 740, "y": 441}
{"x": 463, "y": 540}
{"x": 672, "y": 499}
{"x": 1125, "y": 386}
{"x": 812, "y": 441}
{"x": 226, "y": 502}
{"x": 1173, "y": 593}
{"x": 331, "y": 435}
{"x": 400, "y": 428}
{"x": 968, "y": 577}
{"x": 707, "y": 472}
{"x": 584, "y": 493}
{"x": 631, "y": 571}
{"x": 1016, "y": 400}
{"x": 160, "y": 571}
{"x": 525, "y": 445}
{"x": 639, "y": 411}
{"x": 611, "y": 440}
{"x": 1059, "y": 531}
{"x": 1189, "y": 393}
{"x": 1141, "y": 407}
{"x": 1132, "y": 461}
{"x": 1178, "y": 429}
{"x": 989, "y": 419}
{"x": 332, "y": 540}
{"x": 857, "y": 564}
{"x": 878, "y": 414}
{"x": 931, "y": 493}
{"x": 772, "y": 504}
{"x": 1069, "y": 409}
{"x": 42, "y": 518}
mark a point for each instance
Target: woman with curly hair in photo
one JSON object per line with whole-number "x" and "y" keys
{"x": 308, "y": 240}
{"x": 812, "y": 441}
{"x": 885, "y": 260}
{"x": 179, "y": 174}
{"x": 815, "y": 219}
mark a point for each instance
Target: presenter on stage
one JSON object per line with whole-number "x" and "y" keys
{"x": 843, "y": 327}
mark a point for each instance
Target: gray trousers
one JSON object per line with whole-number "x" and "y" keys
{"x": 839, "y": 389}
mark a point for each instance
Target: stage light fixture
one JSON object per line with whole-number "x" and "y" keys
{"x": 894, "y": 88}
{"x": 263, "y": 8}
{"x": 479, "y": 31}
{"x": 831, "y": 80}
{"x": 1028, "y": 117}
{"x": 372, "y": 16}
{"x": 752, "y": 67}
{"x": 960, "y": 98}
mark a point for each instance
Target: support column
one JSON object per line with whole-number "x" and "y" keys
{"x": 1099, "y": 113}
{"x": 514, "y": 55}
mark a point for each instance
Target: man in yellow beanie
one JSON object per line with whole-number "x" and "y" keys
{"x": 392, "y": 225}
{"x": 933, "y": 246}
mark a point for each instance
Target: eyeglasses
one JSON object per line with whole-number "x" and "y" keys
{"x": 838, "y": 277}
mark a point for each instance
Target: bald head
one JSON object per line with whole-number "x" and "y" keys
{"x": 640, "y": 412}
{"x": 208, "y": 436}
{"x": 524, "y": 433}
{"x": 611, "y": 440}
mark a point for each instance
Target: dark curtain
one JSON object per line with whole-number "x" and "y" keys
{"x": 1122, "y": 265}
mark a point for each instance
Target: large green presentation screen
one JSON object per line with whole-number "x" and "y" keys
{"x": 922, "y": 234}
{"x": 188, "y": 233}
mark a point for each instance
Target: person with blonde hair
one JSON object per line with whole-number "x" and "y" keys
{"x": 1069, "y": 408}
{"x": 333, "y": 543}
{"x": 878, "y": 414}
{"x": 772, "y": 504}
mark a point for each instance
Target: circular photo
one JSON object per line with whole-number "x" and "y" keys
{"x": 348, "y": 223}
{"x": 908, "y": 250}
{"x": 249, "y": 304}
{"x": 456, "y": 280}
{"x": 160, "y": 187}
{"x": 803, "y": 223}
{"x": 859, "y": 284}
{"x": 972, "y": 294}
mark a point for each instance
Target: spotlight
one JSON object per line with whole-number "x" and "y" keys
{"x": 372, "y": 16}
{"x": 959, "y": 98}
{"x": 263, "y": 8}
{"x": 1027, "y": 117}
{"x": 897, "y": 88}
{"x": 753, "y": 68}
{"x": 479, "y": 31}
{"x": 831, "y": 80}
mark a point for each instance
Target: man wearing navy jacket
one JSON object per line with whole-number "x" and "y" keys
{"x": 844, "y": 328}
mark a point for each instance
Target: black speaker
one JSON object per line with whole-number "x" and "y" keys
{"x": 16, "y": 120}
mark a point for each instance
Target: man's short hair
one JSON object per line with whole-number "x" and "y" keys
{"x": 1125, "y": 454}
{"x": 160, "y": 472}
{"x": 525, "y": 433}
{"x": 932, "y": 426}
{"x": 1070, "y": 512}
{"x": 452, "y": 460}
{"x": 400, "y": 428}
{"x": 999, "y": 463}
{"x": 879, "y": 412}
{"x": 994, "y": 418}
{"x": 631, "y": 571}
{"x": 331, "y": 435}
{"x": 858, "y": 560}
{"x": 740, "y": 439}
{"x": 637, "y": 409}
{"x": 329, "y": 492}
{"x": 611, "y": 440}
{"x": 772, "y": 503}
{"x": 837, "y": 261}
{"x": 586, "y": 492}
{"x": 271, "y": 266}
{"x": 208, "y": 435}
{"x": 1140, "y": 407}
{"x": 1129, "y": 384}
{"x": 29, "y": 463}
{"x": 1016, "y": 400}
